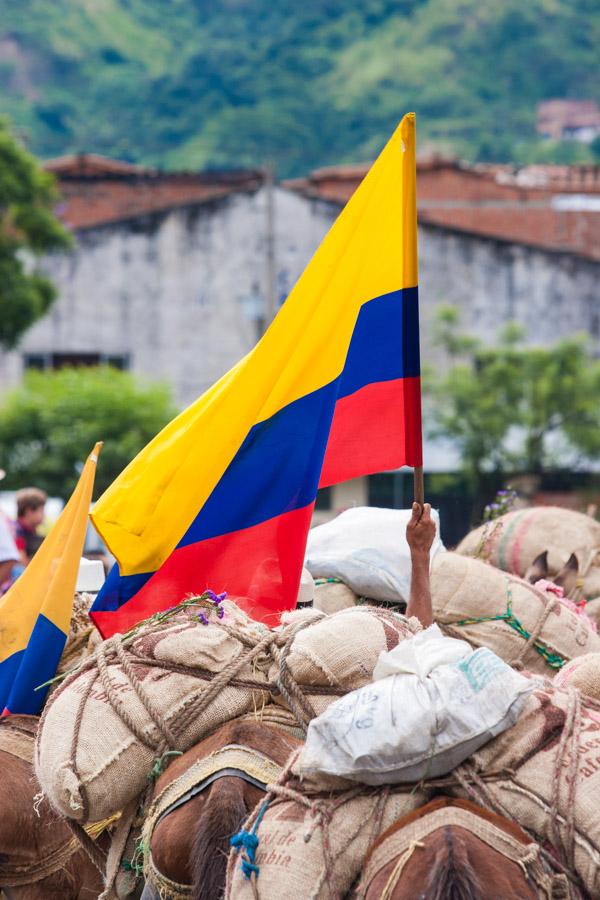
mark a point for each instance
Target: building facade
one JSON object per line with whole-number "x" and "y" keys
{"x": 174, "y": 275}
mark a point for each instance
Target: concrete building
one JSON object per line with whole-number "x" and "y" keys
{"x": 174, "y": 274}
{"x": 576, "y": 120}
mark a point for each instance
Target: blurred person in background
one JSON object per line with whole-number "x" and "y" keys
{"x": 10, "y": 564}
{"x": 31, "y": 504}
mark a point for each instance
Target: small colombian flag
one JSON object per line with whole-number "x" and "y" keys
{"x": 35, "y": 613}
{"x": 223, "y": 497}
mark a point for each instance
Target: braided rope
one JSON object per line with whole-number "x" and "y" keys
{"x": 532, "y": 641}
{"x": 554, "y": 660}
{"x": 473, "y": 783}
{"x": 89, "y": 846}
{"x": 203, "y": 700}
{"x": 112, "y": 695}
{"x": 168, "y": 738}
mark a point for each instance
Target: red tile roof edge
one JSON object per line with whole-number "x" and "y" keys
{"x": 507, "y": 241}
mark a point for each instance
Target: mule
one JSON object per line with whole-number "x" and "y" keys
{"x": 40, "y": 859}
{"x": 566, "y": 578}
{"x": 454, "y": 850}
{"x": 189, "y": 844}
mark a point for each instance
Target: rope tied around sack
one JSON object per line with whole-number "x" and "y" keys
{"x": 563, "y": 841}
{"x": 246, "y": 841}
{"x": 260, "y": 649}
{"x": 161, "y": 763}
{"x": 554, "y": 660}
{"x": 321, "y": 812}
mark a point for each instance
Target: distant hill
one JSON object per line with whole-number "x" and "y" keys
{"x": 195, "y": 83}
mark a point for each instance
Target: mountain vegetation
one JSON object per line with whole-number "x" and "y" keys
{"x": 194, "y": 83}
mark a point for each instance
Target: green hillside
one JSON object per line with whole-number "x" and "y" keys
{"x": 193, "y": 83}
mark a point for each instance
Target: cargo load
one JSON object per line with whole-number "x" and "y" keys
{"x": 527, "y": 628}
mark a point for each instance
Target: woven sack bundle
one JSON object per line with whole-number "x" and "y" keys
{"x": 117, "y": 718}
{"x": 526, "y": 627}
{"x": 513, "y": 541}
{"x": 544, "y": 773}
{"x": 336, "y": 654}
{"x": 333, "y": 596}
{"x": 316, "y": 849}
{"x": 582, "y": 673}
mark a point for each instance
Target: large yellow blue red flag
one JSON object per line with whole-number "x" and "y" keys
{"x": 222, "y": 498}
{"x": 35, "y": 613}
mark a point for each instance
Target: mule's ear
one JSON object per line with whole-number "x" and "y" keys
{"x": 538, "y": 568}
{"x": 567, "y": 577}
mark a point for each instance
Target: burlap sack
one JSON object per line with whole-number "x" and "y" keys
{"x": 592, "y": 609}
{"x": 536, "y": 755}
{"x": 582, "y": 673}
{"x": 514, "y": 540}
{"x": 302, "y": 854}
{"x": 333, "y": 596}
{"x": 490, "y": 608}
{"x": 82, "y": 639}
{"x": 340, "y": 651}
{"x": 98, "y": 741}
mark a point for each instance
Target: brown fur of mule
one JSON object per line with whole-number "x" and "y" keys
{"x": 190, "y": 845}
{"x": 26, "y": 837}
{"x": 452, "y": 863}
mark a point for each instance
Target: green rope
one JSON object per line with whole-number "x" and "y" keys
{"x": 319, "y": 581}
{"x": 554, "y": 660}
{"x": 136, "y": 863}
{"x": 160, "y": 763}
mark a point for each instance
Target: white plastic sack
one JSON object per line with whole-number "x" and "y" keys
{"x": 421, "y": 654}
{"x": 366, "y": 548}
{"x": 414, "y": 725}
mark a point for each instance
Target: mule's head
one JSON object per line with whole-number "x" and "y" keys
{"x": 566, "y": 578}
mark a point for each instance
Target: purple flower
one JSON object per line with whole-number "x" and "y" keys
{"x": 211, "y": 595}
{"x": 221, "y": 597}
{"x": 203, "y": 619}
{"x": 220, "y": 612}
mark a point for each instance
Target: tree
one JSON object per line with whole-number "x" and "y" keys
{"x": 512, "y": 408}
{"x": 28, "y": 228}
{"x": 49, "y": 425}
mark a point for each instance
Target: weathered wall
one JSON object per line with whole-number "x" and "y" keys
{"x": 174, "y": 291}
{"x": 550, "y": 294}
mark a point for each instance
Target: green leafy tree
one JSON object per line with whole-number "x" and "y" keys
{"x": 513, "y": 408}
{"x": 28, "y": 228}
{"x": 49, "y": 425}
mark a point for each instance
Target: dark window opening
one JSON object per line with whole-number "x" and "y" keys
{"x": 62, "y": 360}
{"x": 323, "y": 499}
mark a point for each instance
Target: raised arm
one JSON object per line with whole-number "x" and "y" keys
{"x": 420, "y": 533}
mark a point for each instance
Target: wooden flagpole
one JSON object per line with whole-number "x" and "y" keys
{"x": 418, "y": 478}
{"x": 419, "y": 485}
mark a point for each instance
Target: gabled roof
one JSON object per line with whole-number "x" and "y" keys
{"x": 86, "y": 165}
{"x": 96, "y": 190}
{"x": 554, "y": 207}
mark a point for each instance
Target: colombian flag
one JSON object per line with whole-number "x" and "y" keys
{"x": 222, "y": 498}
{"x": 35, "y": 613}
